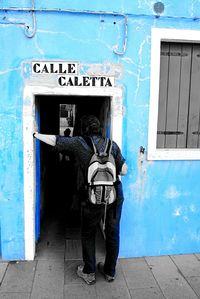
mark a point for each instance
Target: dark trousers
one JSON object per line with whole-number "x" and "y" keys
{"x": 91, "y": 216}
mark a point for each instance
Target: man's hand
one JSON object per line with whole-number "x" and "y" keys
{"x": 124, "y": 169}
{"x": 35, "y": 134}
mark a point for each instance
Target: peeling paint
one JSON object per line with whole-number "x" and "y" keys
{"x": 9, "y": 71}
{"x": 139, "y": 186}
{"x": 196, "y": 236}
{"x": 172, "y": 192}
{"x": 177, "y": 212}
{"x": 193, "y": 208}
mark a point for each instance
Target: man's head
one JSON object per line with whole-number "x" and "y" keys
{"x": 90, "y": 125}
{"x": 67, "y": 132}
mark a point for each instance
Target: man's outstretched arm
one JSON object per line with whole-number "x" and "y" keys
{"x": 49, "y": 139}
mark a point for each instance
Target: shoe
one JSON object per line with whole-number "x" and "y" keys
{"x": 88, "y": 278}
{"x": 107, "y": 277}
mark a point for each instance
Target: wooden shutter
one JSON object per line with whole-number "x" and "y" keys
{"x": 179, "y": 96}
{"x": 194, "y": 104}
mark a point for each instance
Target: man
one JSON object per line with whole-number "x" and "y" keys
{"x": 67, "y": 132}
{"x": 91, "y": 215}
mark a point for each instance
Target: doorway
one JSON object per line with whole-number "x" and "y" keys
{"x": 31, "y": 117}
{"x": 56, "y": 196}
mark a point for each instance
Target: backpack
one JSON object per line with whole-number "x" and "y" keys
{"x": 101, "y": 176}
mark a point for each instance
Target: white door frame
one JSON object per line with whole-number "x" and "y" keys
{"x": 30, "y": 125}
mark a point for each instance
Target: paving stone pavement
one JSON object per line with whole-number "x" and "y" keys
{"x": 52, "y": 275}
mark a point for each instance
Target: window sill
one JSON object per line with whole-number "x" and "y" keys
{"x": 174, "y": 154}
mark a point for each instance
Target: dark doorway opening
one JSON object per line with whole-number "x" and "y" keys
{"x": 56, "y": 198}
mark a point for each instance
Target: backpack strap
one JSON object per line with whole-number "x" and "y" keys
{"x": 94, "y": 147}
{"x": 108, "y": 147}
{"x": 89, "y": 142}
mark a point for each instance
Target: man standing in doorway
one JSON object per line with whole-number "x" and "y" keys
{"x": 91, "y": 215}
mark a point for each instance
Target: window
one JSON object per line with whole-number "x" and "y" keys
{"x": 179, "y": 96}
{"x": 174, "y": 122}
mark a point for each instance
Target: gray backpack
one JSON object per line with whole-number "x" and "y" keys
{"x": 101, "y": 176}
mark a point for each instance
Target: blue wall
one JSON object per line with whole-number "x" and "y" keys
{"x": 162, "y": 209}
